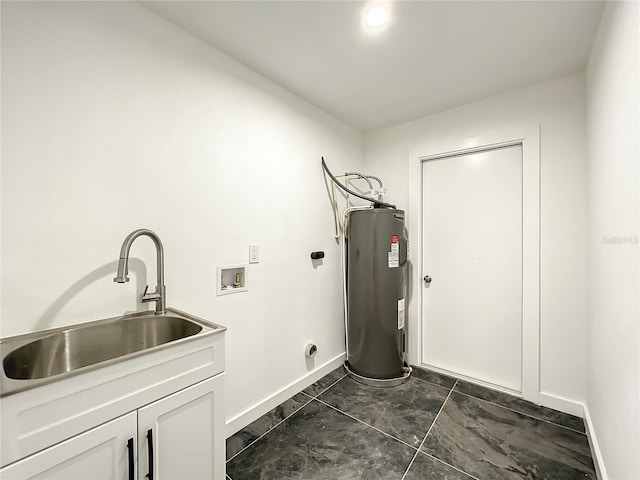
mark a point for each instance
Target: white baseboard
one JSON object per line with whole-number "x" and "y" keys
{"x": 545, "y": 399}
{"x": 561, "y": 404}
{"x": 466, "y": 378}
{"x": 579, "y": 410}
{"x": 245, "y": 418}
{"x": 596, "y": 453}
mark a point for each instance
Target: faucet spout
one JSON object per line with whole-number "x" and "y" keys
{"x": 123, "y": 268}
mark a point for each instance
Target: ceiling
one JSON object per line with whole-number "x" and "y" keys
{"x": 433, "y": 55}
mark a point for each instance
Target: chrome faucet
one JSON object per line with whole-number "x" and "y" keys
{"x": 159, "y": 296}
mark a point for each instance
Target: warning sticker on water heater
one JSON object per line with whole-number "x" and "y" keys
{"x": 394, "y": 254}
{"x": 401, "y": 314}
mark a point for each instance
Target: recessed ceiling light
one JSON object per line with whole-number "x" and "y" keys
{"x": 376, "y": 16}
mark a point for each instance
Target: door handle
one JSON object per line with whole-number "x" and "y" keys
{"x": 130, "y": 451}
{"x": 150, "y": 450}
{"x": 427, "y": 279}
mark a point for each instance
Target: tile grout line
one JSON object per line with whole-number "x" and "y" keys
{"x": 364, "y": 423}
{"x": 439, "y": 412}
{"x": 316, "y": 396}
{"x": 508, "y": 408}
{"x": 305, "y": 404}
{"x": 429, "y": 431}
{"x": 292, "y": 413}
{"x": 521, "y": 413}
{"x": 449, "y": 465}
{"x": 434, "y": 383}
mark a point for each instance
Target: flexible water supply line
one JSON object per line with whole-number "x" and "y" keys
{"x": 379, "y": 192}
{"x": 355, "y": 194}
{"x": 377, "y": 203}
{"x": 360, "y": 175}
{"x": 376, "y": 179}
{"x": 334, "y": 203}
{"x": 334, "y": 206}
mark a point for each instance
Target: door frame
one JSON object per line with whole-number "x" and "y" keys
{"x": 529, "y": 138}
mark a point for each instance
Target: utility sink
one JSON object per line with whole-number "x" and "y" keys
{"x": 79, "y": 347}
{"x": 41, "y": 357}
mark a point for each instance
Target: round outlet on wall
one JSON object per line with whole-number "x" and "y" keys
{"x": 310, "y": 350}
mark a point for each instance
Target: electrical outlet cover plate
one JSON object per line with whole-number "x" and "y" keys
{"x": 254, "y": 253}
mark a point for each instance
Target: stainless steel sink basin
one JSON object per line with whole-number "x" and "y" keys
{"x": 80, "y": 347}
{"x": 42, "y": 357}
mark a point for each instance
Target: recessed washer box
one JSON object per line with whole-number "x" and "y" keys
{"x": 231, "y": 279}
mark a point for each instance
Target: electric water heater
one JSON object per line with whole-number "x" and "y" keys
{"x": 376, "y": 286}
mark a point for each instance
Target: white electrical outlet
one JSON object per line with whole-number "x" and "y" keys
{"x": 254, "y": 253}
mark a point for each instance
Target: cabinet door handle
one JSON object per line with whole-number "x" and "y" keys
{"x": 130, "y": 449}
{"x": 150, "y": 448}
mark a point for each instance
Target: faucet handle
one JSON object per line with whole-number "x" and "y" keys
{"x": 149, "y": 297}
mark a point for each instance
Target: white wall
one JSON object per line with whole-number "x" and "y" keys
{"x": 558, "y": 106}
{"x": 112, "y": 120}
{"x": 613, "y": 113}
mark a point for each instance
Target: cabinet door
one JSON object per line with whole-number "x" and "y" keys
{"x": 100, "y": 453}
{"x": 181, "y": 436}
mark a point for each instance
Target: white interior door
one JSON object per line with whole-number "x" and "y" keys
{"x": 472, "y": 250}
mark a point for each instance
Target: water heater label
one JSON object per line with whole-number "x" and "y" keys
{"x": 401, "y": 314}
{"x": 394, "y": 254}
{"x": 394, "y": 259}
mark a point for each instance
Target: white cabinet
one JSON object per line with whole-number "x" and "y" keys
{"x": 100, "y": 453}
{"x": 92, "y": 424}
{"x": 176, "y": 437}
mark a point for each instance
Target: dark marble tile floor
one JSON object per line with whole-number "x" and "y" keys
{"x": 405, "y": 412}
{"x": 432, "y": 427}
